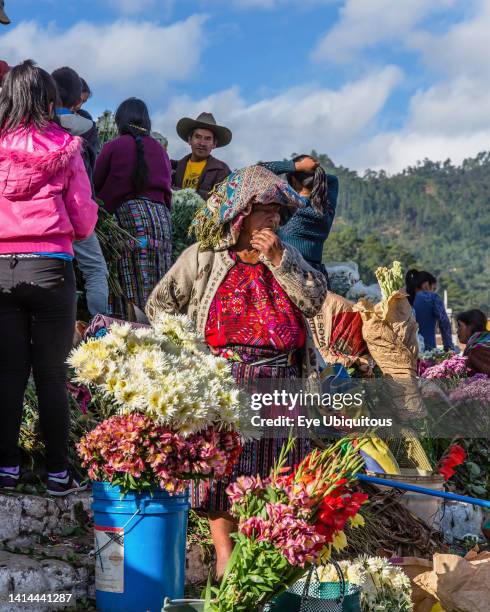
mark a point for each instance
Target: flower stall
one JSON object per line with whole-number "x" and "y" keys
{"x": 287, "y": 523}
{"x": 174, "y": 416}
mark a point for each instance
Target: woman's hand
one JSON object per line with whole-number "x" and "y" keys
{"x": 307, "y": 164}
{"x": 267, "y": 243}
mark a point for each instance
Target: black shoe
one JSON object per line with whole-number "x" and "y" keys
{"x": 59, "y": 487}
{"x": 7, "y": 480}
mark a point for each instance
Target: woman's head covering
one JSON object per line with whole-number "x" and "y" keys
{"x": 218, "y": 224}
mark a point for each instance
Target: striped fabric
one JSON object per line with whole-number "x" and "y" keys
{"x": 148, "y": 258}
{"x": 258, "y": 455}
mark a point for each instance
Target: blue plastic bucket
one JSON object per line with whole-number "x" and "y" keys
{"x": 140, "y": 544}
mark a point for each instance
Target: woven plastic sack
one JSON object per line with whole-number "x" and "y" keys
{"x": 390, "y": 331}
{"x": 337, "y": 331}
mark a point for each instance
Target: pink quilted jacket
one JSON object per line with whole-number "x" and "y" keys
{"x": 45, "y": 194}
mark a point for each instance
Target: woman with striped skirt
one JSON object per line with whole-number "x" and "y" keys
{"x": 133, "y": 178}
{"x": 249, "y": 295}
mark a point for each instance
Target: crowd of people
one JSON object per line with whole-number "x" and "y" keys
{"x": 249, "y": 283}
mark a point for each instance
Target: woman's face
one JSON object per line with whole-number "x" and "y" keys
{"x": 464, "y": 332}
{"x": 262, "y": 216}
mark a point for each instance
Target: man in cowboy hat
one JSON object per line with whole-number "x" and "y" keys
{"x": 200, "y": 170}
{"x": 3, "y": 17}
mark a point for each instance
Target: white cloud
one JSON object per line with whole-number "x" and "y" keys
{"x": 395, "y": 151}
{"x": 296, "y": 120}
{"x": 463, "y": 49}
{"x": 121, "y": 58}
{"x": 365, "y": 23}
{"x": 451, "y": 118}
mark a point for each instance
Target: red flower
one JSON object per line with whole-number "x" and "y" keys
{"x": 446, "y": 471}
{"x": 455, "y": 456}
{"x": 458, "y": 453}
{"x": 335, "y": 510}
{"x": 327, "y": 532}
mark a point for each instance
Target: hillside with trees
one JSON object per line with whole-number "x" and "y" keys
{"x": 435, "y": 216}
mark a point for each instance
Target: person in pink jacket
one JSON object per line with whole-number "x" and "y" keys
{"x": 45, "y": 204}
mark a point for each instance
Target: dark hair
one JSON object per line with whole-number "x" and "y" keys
{"x": 85, "y": 87}
{"x": 415, "y": 279}
{"x": 316, "y": 181}
{"x": 69, "y": 86}
{"x": 132, "y": 118}
{"x": 27, "y": 93}
{"x": 475, "y": 319}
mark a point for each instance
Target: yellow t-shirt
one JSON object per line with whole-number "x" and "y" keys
{"x": 193, "y": 171}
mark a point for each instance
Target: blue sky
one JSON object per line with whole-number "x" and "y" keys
{"x": 372, "y": 83}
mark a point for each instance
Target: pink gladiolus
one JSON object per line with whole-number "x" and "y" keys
{"x": 296, "y": 539}
{"x": 243, "y": 485}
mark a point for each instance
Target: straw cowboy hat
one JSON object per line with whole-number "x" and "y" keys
{"x": 205, "y": 121}
{"x": 3, "y": 17}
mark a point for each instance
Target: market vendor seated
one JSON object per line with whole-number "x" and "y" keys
{"x": 249, "y": 295}
{"x": 472, "y": 331}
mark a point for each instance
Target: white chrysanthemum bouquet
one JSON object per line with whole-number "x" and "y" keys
{"x": 161, "y": 378}
{"x": 163, "y": 371}
{"x": 383, "y": 586}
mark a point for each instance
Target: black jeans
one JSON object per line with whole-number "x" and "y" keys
{"x": 37, "y": 321}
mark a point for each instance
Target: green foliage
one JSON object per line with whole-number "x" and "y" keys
{"x": 346, "y": 244}
{"x": 185, "y": 204}
{"x": 106, "y": 127}
{"x": 114, "y": 241}
{"x": 473, "y": 477}
{"x": 433, "y": 214}
{"x": 390, "y": 279}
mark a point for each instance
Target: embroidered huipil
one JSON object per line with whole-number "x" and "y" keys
{"x": 250, "y": 308}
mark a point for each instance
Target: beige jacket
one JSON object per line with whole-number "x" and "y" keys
{"x": 191, "y": 284}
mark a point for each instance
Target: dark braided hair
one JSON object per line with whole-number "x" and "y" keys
{"x": 316, "y": 182}
{"x": 132, "y": 118}
{"x": 415, "y": 279}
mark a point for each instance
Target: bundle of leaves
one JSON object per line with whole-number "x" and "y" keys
{"x": 114, "y": 240}
{"x": 390, "y": 279}
{"x": 85, "y": 413}
{"x": 185, "y": 204}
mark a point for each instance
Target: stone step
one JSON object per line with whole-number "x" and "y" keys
{"x": 35, "y": 515}
{"x": 45, "y": 545}
{"x": 25, "y": 574}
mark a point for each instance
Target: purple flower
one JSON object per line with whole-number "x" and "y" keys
{"x": 474, "y": 389}
{"x": 450, "y": 368}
